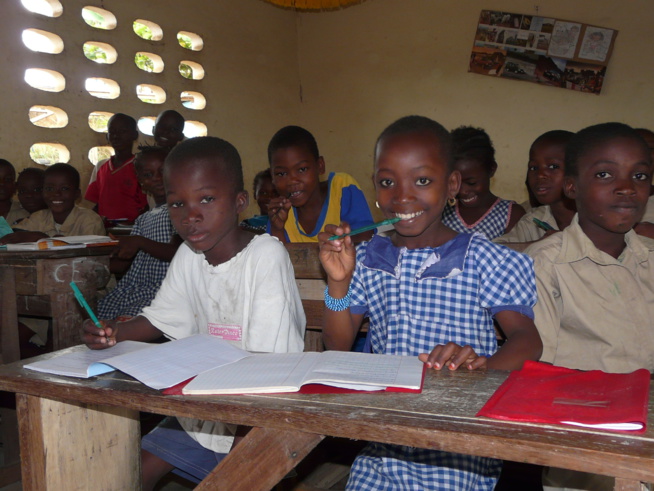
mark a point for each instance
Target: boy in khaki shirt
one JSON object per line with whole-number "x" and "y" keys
{"x": 595, "y": 279}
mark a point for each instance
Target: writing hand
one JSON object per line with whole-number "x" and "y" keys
{"x": 96, "y": 338}
{"x": 452, "y": 356}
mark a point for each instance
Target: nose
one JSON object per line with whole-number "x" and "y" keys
{"x": 192, "y": 214}
{"x": 403, "y": 193}
{"x": 625, "y": 187}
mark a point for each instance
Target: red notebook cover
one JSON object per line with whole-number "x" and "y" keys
{"x": 542, "y": 393}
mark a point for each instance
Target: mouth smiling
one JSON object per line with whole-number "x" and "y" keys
{"x": 468, "y": 200}
{"x": 408, "y": 216}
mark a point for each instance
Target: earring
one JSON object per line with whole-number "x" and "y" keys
{"x": 451, "y": 201}
{"x": 377, "y": 204}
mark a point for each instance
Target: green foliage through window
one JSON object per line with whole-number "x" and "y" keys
{"x": 186, "y": 71}
{"x": 142, "y": 31}
{"x": 144, "y": 62}
{"x": 185, "y": 42}
{"x": 95, "y": 53}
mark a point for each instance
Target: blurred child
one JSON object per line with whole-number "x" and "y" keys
{"x": 62, "y": 217}
{"x": 10, "y": 210}
{"x": 264, "y": 191}
{"x": 427, "y": 291}
{"x": 305, "y": 203}
{"x": 476, "y": 208}
{"x": 223, "y": 281}
{"x": 29, "y": 186}
{"x": 545, "y": 181}
{"x": 595, "y": 279}
{"x": 152, "y": 244}
{"x": 116, "y": 190}
{"x": 168, "y": 129}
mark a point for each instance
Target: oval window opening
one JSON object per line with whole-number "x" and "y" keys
{"x": 100, "y": 52}
{"x": 149, "y": 62}
{"x": 152, "y": 94}
{"x": 146, "y": 125}
{"x": 49, "y": 8}
{"x": 48, "y": 117}
{"x": 190, "y": 40}
{"x": 147, "y": 30}
{"x": 42, "y": 41}
{"x": 191, "y": 70}
{"x": 99, "y": 120}
{"x": 43, "y": 79}
{"x": 99, "y": 154}
{"x": 193, "y": 100}
{"x": 102, "y": 88}
{"x": 99, "y": 18}
{"x": 49, "y": 153}
{"x": 194, "y": 128}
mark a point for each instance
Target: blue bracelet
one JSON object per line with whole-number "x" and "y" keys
{"x": 338, "y": 304}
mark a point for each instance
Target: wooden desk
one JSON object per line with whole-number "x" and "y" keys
{"x": 92, "y": 426}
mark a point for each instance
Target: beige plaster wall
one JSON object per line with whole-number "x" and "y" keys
{"x": 363, "y": 67}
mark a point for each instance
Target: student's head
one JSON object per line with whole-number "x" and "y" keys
{"x": 648, "y": 136}
{"x": 474, "y": 158}
{"x": 61, "y": 188}
{"x": 296, "y": 164}
{"x": 7, "y": 180}
{"x": 546, "y": 167}
{"x": 122, "y": 132}
{"x": 264, "y": 190}
{"x": 29, "y": 186}
{"x": 169, "y": 129}
{"x": 204, "y": 191}
{"x": 148, "y": 164}
{"x": 608, "y": 173}
{"x": 414, "y": 177}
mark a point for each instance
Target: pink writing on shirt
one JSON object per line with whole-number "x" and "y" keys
{"x": 228, "y": 332}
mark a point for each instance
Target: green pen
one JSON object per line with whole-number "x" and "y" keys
{"x": 82, "y": 301}
{"x": 542, "y": 224}
{"x": 389, "y": 221}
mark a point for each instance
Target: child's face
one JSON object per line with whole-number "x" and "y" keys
{"x": 59, "y": 193}
{"x": 264, "y": 193}
{"x": 167, "y": 132}
{"x": 204, "y": 207}
{"x": 412, "y": 182}
{"x": 121, "y": 135}
{"x": 296, "y": 174}
{"x": 475, "y": 182}
{"x": 30, "y": 192}
{"x": 545, "y": 171}
{"x": 7, "y": 182}
{"x": 150, "y": 176}
{"x": 611, "y": 188}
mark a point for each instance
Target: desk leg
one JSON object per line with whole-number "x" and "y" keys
{"x": 9, "y": 348}
{"x": 77, "y": 446}
{"x": 626, "y": 485}
{"x": 275, "y": 453}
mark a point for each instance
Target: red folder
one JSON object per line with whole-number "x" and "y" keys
{"x": 542, "y": 393}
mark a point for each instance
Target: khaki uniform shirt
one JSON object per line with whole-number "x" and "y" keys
{"x": 80, "y": 221}
{"x": 16, "y": 212}
{"x": 526, "y": 229}
{"x": 594, "y": 311}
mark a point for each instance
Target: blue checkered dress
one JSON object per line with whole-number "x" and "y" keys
{"x": 416, "y": 299}
{"x": 140, "y": 284}
{"x": 493, "y": 224}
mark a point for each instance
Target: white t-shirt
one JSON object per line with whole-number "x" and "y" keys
{"x": 252, "y": 301}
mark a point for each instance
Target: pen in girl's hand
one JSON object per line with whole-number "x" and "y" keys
{"x": 542, "y": 224}
{"x": 360, "y": 230}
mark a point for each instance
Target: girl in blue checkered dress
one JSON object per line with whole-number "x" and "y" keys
{"x": 428, "y": 292}
{"x": 476, "y": 208}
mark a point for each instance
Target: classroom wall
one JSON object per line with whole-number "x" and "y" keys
{"x": 364, "y": 66}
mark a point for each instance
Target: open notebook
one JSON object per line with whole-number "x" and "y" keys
{"x": 59, "y": 243}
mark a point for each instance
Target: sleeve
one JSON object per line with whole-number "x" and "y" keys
{"x": 33, "y": 223}
{"x": 96, "y": 225}
{"x": 507, "y": 280}
{"x": 548, "y": 309}
{"x": 524, "y": 231}
{"x": 93, "y": 192}
{"x": 354, "y": 207}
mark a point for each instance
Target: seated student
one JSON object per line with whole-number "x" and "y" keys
{"x": 427, "y": 291}
{"x": 646, "y": 225}
{"x": 476, "y": 208}
{"x": 168, "y": 129}
{"x": 223, "y": 281}
{"x": 545, "y": 180}
{"x": 116, "y": 190}
{"x": 264, "y": 191}
{"x": 10, "y": 210}
{"x": 152, "y": 244}
{"x": 305, "y": 203}
{"x": 595, "y": 307}
{"x": 62, "y": 217}
{"x": 29, "y": 188}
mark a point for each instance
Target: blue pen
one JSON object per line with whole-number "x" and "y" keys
{"x": 82, "y": 301}
{"x": 389, "y": 221}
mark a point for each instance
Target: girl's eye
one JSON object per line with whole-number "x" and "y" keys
{"x": 553, "y": 166}
{"x": 603, "y": 175}
{"x": 280, "y": 174}
{"x": 302, "y": 170}
{"x": 531, "y": 168}
{"x": 207, "y": 199}
{"x": 423, "y": 181}
{"x": 385, "y": 183}
{"x": 176, "y": 204}
{"x": 642, "y": 176}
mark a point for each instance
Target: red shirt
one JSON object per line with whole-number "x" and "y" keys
{"x": 117, "y": 191}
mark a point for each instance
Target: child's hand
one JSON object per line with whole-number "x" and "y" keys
{"x": 278, "y": 212}
{"x": 128, "y": 246}
{"x": 337, "y": 256}
{"x": 96, "y": 338}
{"x": 452, "y": 356}
{"x": 22, "y": 236}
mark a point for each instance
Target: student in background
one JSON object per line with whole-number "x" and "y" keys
{"x": 168, "y": 129}
{"x": 476, "y": 208}
{"x": 427, "y": 291}
{"x": 223, "y": 281}
{"x": 62, "y": 217}
{"x": 264, "y": 191}
{"x": 305, "y": 203}
{"x": 595, "y": 279}
{"x": 10, "y": 210}
{"x": 116, "y": 190}
{"x": 545, "y": 172}
{"x": 29, "y": 188}
{"x": 152, "y": 245}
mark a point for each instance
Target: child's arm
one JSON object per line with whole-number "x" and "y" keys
{"x": 278, "y": 214}
{"x": 130, "y": 245}
{"x": 517, "y": 212}
{"x": 338, "y": 257}
{"x": 22, "y": 236}
{"x": 137, "y": 329}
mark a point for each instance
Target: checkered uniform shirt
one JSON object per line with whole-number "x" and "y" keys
{"x": 416, "y": 299}
{"x": 140, "y": 284}
{"x": 493, "y": 224}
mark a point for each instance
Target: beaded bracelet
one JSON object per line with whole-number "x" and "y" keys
{"x": 337, "y": 304}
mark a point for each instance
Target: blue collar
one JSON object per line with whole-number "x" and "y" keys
{"x": 443, "y": 262}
